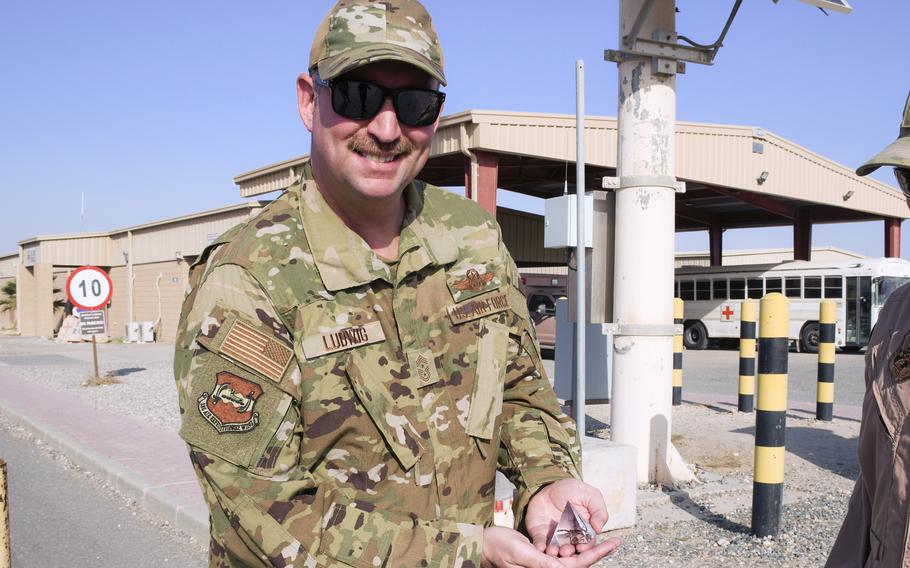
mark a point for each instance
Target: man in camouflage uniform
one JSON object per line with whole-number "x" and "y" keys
{"x": 876, "y": 530}
{"x": 356, "y": 362}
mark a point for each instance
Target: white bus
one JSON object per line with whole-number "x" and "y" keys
{"x": 713, "y": 296}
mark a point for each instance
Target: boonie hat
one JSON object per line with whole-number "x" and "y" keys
{"x": 897, "y": 153}
{"x": 357, "y": 32}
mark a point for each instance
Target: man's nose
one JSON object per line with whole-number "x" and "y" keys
{"x": 384, "y": 126}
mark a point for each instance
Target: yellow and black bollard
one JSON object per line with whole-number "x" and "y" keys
{"x": 677, "y": 353}
{"x": 747, "y": 356}
{"x": 4, "y": 519}
{"x": 827, "y": 320}
{"x": 771, "y": 415}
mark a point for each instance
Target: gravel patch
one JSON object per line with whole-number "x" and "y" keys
{"x": 808, "y": 529}
{"x": 145, "y": 390}
{"x": 708, "y": 524}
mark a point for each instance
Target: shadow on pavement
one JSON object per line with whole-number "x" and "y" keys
{"x": 125, "y": 371}
{"x": 685, "y": 503}
{"x": 821, "y": 447}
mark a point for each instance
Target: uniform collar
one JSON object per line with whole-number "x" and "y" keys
{"x": 345, "y": 260}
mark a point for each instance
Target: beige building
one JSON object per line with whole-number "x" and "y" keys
{"x": 736, "y": 176}
{"x": 148, "y": 266}
{"x": 8, "y": 265}
{"x": 762, "y": 256}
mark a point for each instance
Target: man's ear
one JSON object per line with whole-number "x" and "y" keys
{"x": 306, "y": 99}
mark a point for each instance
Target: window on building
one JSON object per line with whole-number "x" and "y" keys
{"x": 793, "y": 287}
{"x": 737, "y": 288}
{"x": 834, "y": 287}
{"x": 755, "y": 288}
{"x": 813, "y": 287}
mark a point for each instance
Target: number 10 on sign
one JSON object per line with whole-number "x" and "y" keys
{"x": 89, "y": 288}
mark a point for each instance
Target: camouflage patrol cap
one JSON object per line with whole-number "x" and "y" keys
{"x": 897, "y": 153}
{"x": 357, "y": 32}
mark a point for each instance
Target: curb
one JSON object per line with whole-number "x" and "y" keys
{"x": 157, "y": 500}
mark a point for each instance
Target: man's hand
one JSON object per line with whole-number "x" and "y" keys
{"x": 505, "y": 548}
{"x": 546, "y": 507}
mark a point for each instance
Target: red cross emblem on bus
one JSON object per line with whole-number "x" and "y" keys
{"x": 727, "y": 314}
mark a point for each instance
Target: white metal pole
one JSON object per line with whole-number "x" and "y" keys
{"x": 580, "y": 320}
{"x": 643, "y": 292}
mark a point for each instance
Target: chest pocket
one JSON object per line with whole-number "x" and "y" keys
{"x": 486, "y": 398}
{"x": 392, "y": 403}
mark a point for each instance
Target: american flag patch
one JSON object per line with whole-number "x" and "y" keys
{"x": 256, "y": 350}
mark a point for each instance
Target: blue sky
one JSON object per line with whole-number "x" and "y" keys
{"x": 151, "y": 108}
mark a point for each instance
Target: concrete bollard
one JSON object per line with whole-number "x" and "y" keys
{"x": 771, "y": 415}
{"x": 824, "y": 397}
{"x": 677, "y": 353}
{"x": 4, "y": 518}
{"x": 747, "y": 356}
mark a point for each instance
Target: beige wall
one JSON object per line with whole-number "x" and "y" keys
{"x": 7, "y": 319}
{"x": 34, "y": 296}
{"x": 117, "y": 312}
{"x": 762, "y": 256}
{"x": 523, "y": 235}
{"x": 151, "y": 296}
{"x": 158, "y": 291}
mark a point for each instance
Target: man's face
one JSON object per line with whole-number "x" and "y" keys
{"x": 371, "y": 159}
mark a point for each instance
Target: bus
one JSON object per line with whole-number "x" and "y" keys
{"x": 712, "y": 297}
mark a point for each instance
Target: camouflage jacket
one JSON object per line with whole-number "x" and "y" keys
{"x": 342, "y": 410}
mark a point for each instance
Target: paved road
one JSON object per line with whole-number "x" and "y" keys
{"x": 61, "y": 517}
{"x": 716, "y": 371}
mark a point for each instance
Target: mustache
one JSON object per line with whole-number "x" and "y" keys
{"x": 369, "y": 145}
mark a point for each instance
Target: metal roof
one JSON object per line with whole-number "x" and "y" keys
{"x": 721, "y": 165}
{"x": 153, "y": 224}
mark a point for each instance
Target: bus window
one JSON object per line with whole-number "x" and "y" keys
{"x": 687, "y": 290}
{"x": 737, "y": 288}
{"x": 793, "y": 287}
{"x": 702, "y": 289}
{"x": 755, "y": 288}
{"x": 719, "y": 289}
{"x": 834, "y": 287}
{"x": 813, "y": 287}
{"x": 773, "y": 285}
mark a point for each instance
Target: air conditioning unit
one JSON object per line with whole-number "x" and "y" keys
{"x": 147, "y": 331}
{"x": 132, "y": 332}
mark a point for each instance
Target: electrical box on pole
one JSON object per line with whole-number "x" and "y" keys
{"x": 560, "y": 214}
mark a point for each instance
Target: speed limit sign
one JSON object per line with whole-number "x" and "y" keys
{"x": 89, "y": 288}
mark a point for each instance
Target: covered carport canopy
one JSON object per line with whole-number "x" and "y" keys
{"x": 736, "y": 176}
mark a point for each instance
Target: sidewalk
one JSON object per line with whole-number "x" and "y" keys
{"x": 146, "y": 463}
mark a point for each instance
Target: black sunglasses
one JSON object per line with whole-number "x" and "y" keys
{"x": 361, "y": 100}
